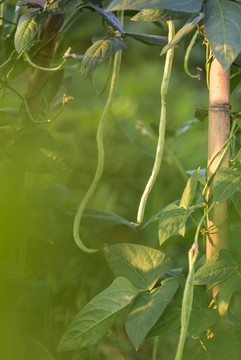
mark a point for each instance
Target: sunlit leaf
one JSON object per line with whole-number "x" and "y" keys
{"x": 149, "y": 39}
{"x": 99, "y": 52}
{"x": 228, "y": 182}
{"x": 146, "y": 310}
{"x": 171, "y": 220}
{"x": 218, "y": 268}
{"x": 176, "y": 5}
{"x": 226, "y": 291}
{"x": 186, "y": 29}
{"x": 94, "y": 321}
{"x": 28, "y": 26}
{"x": 158, "y": 15}
{"x": 142, "y": 265}
{"x": 223, "y": 29}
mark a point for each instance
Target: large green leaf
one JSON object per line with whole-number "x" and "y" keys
{"x": 142, "y": 265}
{"x": 228, "y": 182}
{"x": 169, "y": 321}
{"x": 223, "y": 29}
{"x": 94, "y": 321}
{"x": 218, "y": 268}
{"x": 171, "y": 220}
{"x": 158, "y": 15}
{"x": 226, "y": 291}
{"x": 186, "y": 29}
{"x": 146, "y": 310}
{"x": 176, "y": 5}
{"x": 28, "y": 26}
{"x": 99, "y": 52}
{"x": 201, "y": 320}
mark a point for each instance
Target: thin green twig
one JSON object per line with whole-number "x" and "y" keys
{"x": 162, "y": 127}
{"x": 100, "y": 148}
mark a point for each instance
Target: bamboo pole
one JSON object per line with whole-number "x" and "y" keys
{"x": 219, "y": 129}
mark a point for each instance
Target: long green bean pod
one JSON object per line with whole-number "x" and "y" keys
{"x": 189, "y": 288}
{"x": 100, "y": 148}
{"x": 162, "y": 126}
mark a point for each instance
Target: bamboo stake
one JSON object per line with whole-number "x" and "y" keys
{"x": 219, "y": 129}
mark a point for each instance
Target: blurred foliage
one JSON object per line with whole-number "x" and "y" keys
{"x": 45, "y": 171}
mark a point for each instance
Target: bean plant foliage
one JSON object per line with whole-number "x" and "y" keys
{"x": 148, "y": 292}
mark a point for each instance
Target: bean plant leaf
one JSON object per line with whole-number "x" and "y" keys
{"x": 218, "y": 268}
{"x": 189, "y": 191}
{"x": 28, "y": 26}
{"x": 228, "y": 182}
{"x": 192, "y": 6}
{"x": 158, "y": 15}
{"x": 102, "y": 219}
{"x": 93, "y": 322}
{"x": 222, "y": 346}
{"x": 142, "y": 265}
{"x": 146, "y": 310}
{"x": 53, "y": 196}
{"x": 201, "y": 113}
{"x": 201, "y": 320}
{"x": 149, "y": 39}
{"x": 171, "y": 220}
{"x": 99, "y": 52}
{"x": 29, "y": 4}
{"x": 63, "y": 6}
{"x": 42, "y": 225}
{"x": 186, "y": 29}
{"x": 109, "y": 18}
{"x": 169, "y": 321}
{"x": 226, "y": 291}
{"x": 188, "y": 195}
{"x": 236, "y": 199}
{"x": 223, "y": 29}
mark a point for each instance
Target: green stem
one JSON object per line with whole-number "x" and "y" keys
{"x": 155, "y": 348}
{"x": 225, "y": 147}
{"x": 162, "y": 126}
{"x": 187, "y": 55}
{"x": 100, "y": 148}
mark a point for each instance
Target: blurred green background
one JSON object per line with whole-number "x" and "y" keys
{"x": 46, "y": 278}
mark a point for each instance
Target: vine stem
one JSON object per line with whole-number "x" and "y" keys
{"x": 100, "y": 148}
{"x": 162, "y": 126}
{"x": 189, "y": 288}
